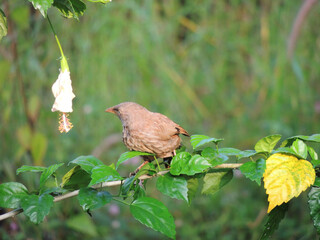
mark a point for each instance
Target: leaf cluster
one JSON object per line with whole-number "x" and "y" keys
{"x": 203, "y": 170}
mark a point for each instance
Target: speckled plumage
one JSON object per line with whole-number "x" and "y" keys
{"x": 147, "y": 131}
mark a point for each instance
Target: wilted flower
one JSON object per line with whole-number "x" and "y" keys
{"x": 62, "y": 91}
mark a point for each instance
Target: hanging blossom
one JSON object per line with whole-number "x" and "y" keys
{"x": 62, "y": 91}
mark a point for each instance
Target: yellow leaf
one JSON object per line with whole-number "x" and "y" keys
{"x": 286, "y": 177}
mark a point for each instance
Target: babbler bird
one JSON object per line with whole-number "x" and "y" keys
{"x": 147, "y": 131}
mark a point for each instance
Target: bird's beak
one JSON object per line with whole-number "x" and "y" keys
{"x": 110, "y": 110}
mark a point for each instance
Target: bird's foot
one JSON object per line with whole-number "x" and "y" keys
{"x": 138, "y": 169}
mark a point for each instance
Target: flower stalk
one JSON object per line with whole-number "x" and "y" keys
{"x": 62, "y": 90}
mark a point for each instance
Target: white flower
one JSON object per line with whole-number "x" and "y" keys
{"x": 62, "y": 91}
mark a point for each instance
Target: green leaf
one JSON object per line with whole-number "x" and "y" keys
{"x": 267, "y": 144}
{"x": 75, "y": 178}
{"x": 247, "y": 154}
{"x": 70, "y": 8}
{"x": 274, "y": 218}
{"x": 184, "y": 163}
{"x": 153, "y": 214}
{"x": 128, "y": 155}
{"x": 104, "y": 173}
{"x": 48, "y": 172}
{"x": 148, "y": 169}
{"x": 42, "y": 5}
{"x": 254, "y": 170}
{"x": 3, "y": 25}
{"x": 138, "y": 192}
{"x": 87, "y": 163}
{"x": 286, "y": 150}
{"x": 54, "y": 191}
{"x": 317, "y": 182}
{"x": 11, "y": 193}
{"x": 312, "y": 138}
{"x": 229, "y": 151}
{"x": 37, "y": 207}
{"x": 314, "y": 205}
{"x": 213, "y": 156}
{"x": 199, "y": 140}
{"x": 127, "y": 185}
{"x": 215, "y": 180}
{"x": 26, "y": 168}
{"x": 300, "y": 148}
{"x": 90, "y": 198}
{"x": 193, "y": 184}
{"x": 175, "y": 187}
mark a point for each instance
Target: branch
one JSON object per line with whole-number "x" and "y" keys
{"x": 107, "y": 184}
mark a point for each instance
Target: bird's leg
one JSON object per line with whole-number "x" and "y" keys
{"x": 167, "y": 161}
{"x": 146, "y": 161}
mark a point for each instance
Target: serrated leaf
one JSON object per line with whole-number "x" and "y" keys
{"x": 104, "y": 173}
{"x": 184, "y": 163}
{"x": 254, "y": 170}
{"x": 128, "y": 155}
{"x": 314, "y": 205}
{"x": 3, "y": 25}
{"x": 147, "y": 169}
{"x": 127, "y": 185}
{"x": 175, "y": 187}
{"x": 213, "y": 156}
{"x": 314, "y": 156}
{"x": 317, "y": 182}
{"x": 46, "y": 174}
{"x": 138, "y": 192}
{"x": 11, "y": 193}
{"x": 267, "y": 144}
{"x": 312, "y": 153}
{"x": 153, "y": 214}
{"x": 274, "y": 219}
{"x": 312, "y": 138}
{"x": 215, "y": 180}
{"x": 199, "y": 140}
{"x": 42, "y": 5}
{"x": 286, "y": 150}
{"x": 286, "y": 177}
{"x": 229, "y": 151}
{"x": 193, "y": 184}
{"x": 37, "y": 207}
{"x": 75, "y": 178}
{"x": 300, "y": 148}
{"x": 90, "y": 198}
{"x": 26, "y": 168}
{"x": 87, "y": 163}
{"x": 246, "y": 154}
{"x": 70, "y": 8}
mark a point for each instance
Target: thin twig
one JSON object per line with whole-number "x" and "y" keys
{"x": 107, "y": 184}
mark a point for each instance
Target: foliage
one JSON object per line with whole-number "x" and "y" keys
{"x": 229, "y": 85}
{"x": 285, "y": 176}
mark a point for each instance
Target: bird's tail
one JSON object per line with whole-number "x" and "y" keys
{"x": 183, "y": 131}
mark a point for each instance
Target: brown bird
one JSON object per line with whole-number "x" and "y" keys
{"x": 147, "y": 131}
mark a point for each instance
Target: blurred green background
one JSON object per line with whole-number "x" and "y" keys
{"x": 218, "y": 68}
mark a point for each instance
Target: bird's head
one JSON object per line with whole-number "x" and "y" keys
{"x": 125, "y": 110}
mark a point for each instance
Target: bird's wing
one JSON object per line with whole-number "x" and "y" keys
{"x": 164, "y": 127}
